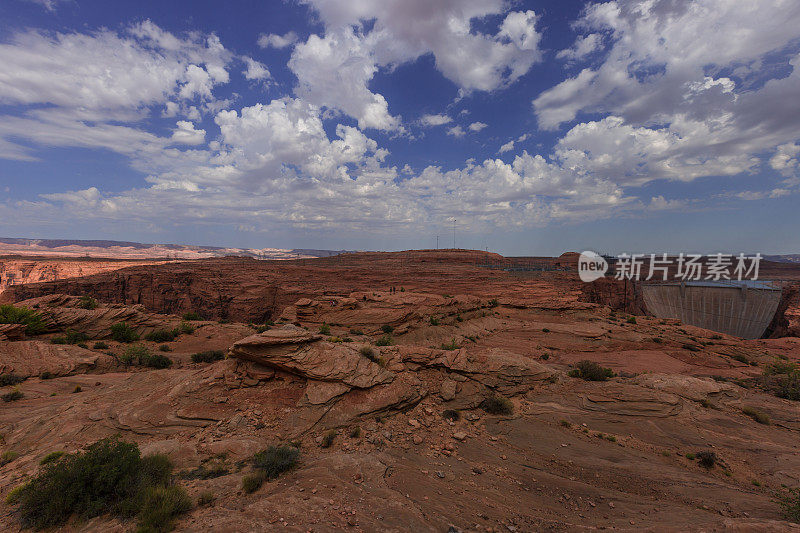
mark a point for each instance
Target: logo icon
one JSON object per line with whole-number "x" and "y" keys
{"x": 591, "y": 266}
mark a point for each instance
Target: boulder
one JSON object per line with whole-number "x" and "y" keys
{"x": 302, "y": 353}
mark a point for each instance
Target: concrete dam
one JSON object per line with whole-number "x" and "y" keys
{"x": 740, "y": 308}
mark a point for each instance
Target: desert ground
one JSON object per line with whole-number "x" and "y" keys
{"x": 422, "y": 391}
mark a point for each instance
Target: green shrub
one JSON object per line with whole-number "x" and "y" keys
{"x": 122, "y": 332}
{"x": 160, "y": 506}
{"x": 46, "y": 375}
{"x": 164, "y": 348}
{"x": 161, "y": 335}
{"x": 8, "y": 456}
{"x": 205, "y": 498}
{"x": 14, "y": 495}
{"x": 75, "y": 337}
{"x": 758, "y": 416}
{"x": 591, "y": 371}
{"x": 657, "y": 340}
{"x": 109, "y": 476}
{"x": 10, "y": 379}
{"x": 33, "y": 321}
{"x": 206, "y": 472}
{"x": 100, "y": 345}
{"x": 452, "y": 345}
{"x": 790, "y": 504}
{"x": 184, "y": 328}
{"x": 386, "y": 328}
{"x": 87, "y": 302}
{"x": 493, "y": 303}
{"x": 82, "y": 345}
{"x": 355, "y": 432}
{"x": 325, "y": 329}
{"x": 706, "y": 459}
{"x": 497, "y": 405}
{"x": 451, "y": 414}
{"x": 269, "y": 464}
{"x": 780, "y": 367}
{"x": 77, "y": 389}
{"x": 328, "y": 438}
{"x": 208, "y": 356}
{"x": 356, "y": 331}
{"x": 252, "y": 482}
{"x": 192, "y": 316}
{"x": 386, "y": 340}
{"x": 52, "y": 456}
{"x": 631, "y": 320}
{"x": 690, "y": 456}
{"x": 58, "y": 340}
{"x": 141, "y": 355}
{"x": 12, "y": 396}
{"x": 545, "y": 330}
{"x": 433, "y": 321}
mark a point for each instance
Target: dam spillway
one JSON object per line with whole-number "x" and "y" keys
{"x": 740, "y": 308}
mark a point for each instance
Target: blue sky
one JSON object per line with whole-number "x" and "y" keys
{"x": 627, "y": 126}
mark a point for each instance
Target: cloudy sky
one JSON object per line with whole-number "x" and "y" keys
{"x": 539, "y": 126}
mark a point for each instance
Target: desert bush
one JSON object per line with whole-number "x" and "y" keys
{"x": 12, "y": 396}
{"x": 10, "y": 379}
{"x": 657, "y": 340}
{"x": 741, "y": 358}
{"x": 77, "y": 389}
{"x": 164, "y": 348}
{"x": 780, "y": 367}
{"x": 690, "y": 456}
{"x": 452, "y": 345}
{"x": 451, "y": 414}
{"x": 252, "y": 482}
{"x": 184, "y": 328}
{"x": 206, "y": 472}
{"x": 46, "y": 375}
{"x": 631, "y": 320}
{"x": 160, "y": 506}
{"x": 493, "y": 303}
{"x": 109, "y": 476}
{"x": 141, "y": 355}
{"x": 14, "y": 495}
{"x": 325, "y": 329}
{"x": 208, "y": 356}
{"x": 545, "y": 356}
{"x": 82, "y": 345}
{"x": 790, "y": 504}
{"x": 7, "y": 456}
{"x": 545, "y": 330}
{"x": 706, "y": 459}
{"x": 100, "y": 345}
{"x": 51, "y": 457}
{"x": 262, "y": 329}
{"x": 192, "y": 316}
{"x": 122, "y": 332}
{"x": 758, "y": 416}
{"x": 161, "y": 335}
{"x": 87, "y": 302}
{"x": 33, "y": 322}
{"x": 565, "y": 423}
{"x": 58, "y": 340}
{"x": 75, "y": 337}
{"x": 356, "y": 331}
{"x": 269, "y": 464}
{"x": 386, "y": 340}
{"x": 591, "y": 371}
{"x": 205, "y": 498}
{"x": 433, "y": 321}
{"x": 355, "y": 432}
{"x": 328, "y": 438}
{"x": 386, "y": 328}
{"x": 497, "y": 405}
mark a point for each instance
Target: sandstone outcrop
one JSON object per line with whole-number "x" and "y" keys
{"x": 62, "y": 312}
{"x": 33, "y": 358}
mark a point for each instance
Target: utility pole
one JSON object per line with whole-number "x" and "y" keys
{"x": 437, "y": 242}
{"x": 454, "y": 234}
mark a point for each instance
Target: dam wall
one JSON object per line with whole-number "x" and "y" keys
{"x": 742, "y": 309}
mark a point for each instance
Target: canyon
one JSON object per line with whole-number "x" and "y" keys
{"x": 425, "y": 391}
